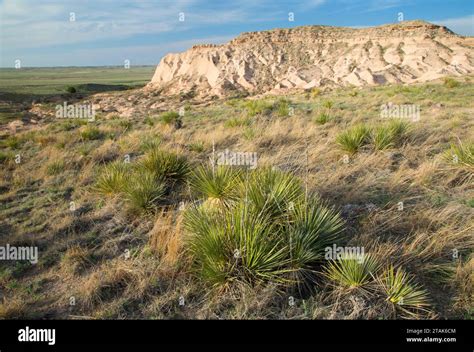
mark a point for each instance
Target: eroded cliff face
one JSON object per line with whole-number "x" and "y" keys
{"x": 313, "y": 56}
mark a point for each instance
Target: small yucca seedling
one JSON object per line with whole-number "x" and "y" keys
{"x": 143, "y": 191}
{"x": 322, "y": 118}
{"x": 402, "y": 292}
{"x": 256, "y": 107}
{"x": 169, "y": 117}
{"x": 382, "y": 138}
{"x": 113, "y": 178}
{"x": 166, "y": 165}
{"x": 353, "y": 139}
{"x": 399, "y": 129}
{"x": 352, "y": 271}
{"x": 450, "y": 82}
{"x": 283, "y": 107}
{"x": 328, "y": 104}
{"x": 462, "y": 155}
{"x": 91, "y": 133}
{"x": 220, "y": 183}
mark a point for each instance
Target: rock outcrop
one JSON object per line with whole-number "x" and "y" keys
{"x": 313, "y": 56}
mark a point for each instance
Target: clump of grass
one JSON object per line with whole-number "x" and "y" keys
{"x": 249, "y": 133}
{"x": 171, "y": 118}
{"x": 166, "y": 165}
{"x": 315, "y": 92}
{"x": 150, "y": 143}
{"x": 197, "y": 147}
{"x": 71, "y": 90}
{"x": 5, "y": 157}
{"x": 328, "y": 104}
{"x": 283, "y": 107}
{"x": 55, "y": 167}
{"x": 143, "y": 191}
{"x": 219, "y": 185}
{"x": 352, "y": 271}
{"x": 113, "y": 178}
{"x": 12, "y": 142}
{"x": 91, "y": 133}
{"x": 258, "y": 107}
{"x": 353, "y": 139}
{"x": 322, "y": 118}
{"x": 450, "y": 82}
{"x": 238, "y": 122}
{"x": 402, "y": 292}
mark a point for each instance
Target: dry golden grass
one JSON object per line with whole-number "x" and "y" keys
{"x": 84, "y": 250}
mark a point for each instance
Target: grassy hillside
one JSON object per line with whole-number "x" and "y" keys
{"x": 167, "y": 235}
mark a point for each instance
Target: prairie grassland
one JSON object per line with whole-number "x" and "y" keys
{"x": 132, "y": 221}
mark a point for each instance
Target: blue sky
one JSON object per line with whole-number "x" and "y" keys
{"x": 107, "y": 32}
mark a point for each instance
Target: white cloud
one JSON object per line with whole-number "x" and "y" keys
{"x": 460, "y": 25}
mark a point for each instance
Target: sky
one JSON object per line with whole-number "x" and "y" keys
{"x": 45, "y": 33}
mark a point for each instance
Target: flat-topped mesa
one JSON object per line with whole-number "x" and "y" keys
{"x": 312, "y": 56}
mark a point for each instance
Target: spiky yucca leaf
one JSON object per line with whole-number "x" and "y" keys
{"x": 313, "y": 227}
{"x": 461, "y": 155}
{"x": 403, "y": 292}
{"x": 398, "y": 129}
{"x": 272, "y": 192}
{"x": 113, "y": 178}
{"x": 221, "y": 183}
{"x": 353, "y": 139}
{"x": 166, "y": 165}
{"x": 235, "y": 245}
{"x": 352, "y": 271}
{"x": 383, "y": 138}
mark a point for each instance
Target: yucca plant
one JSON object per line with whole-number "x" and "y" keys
{"x": 353, "y": 271}
{"x": 113, "y": 178}
{"x": 462, "y": 155}
{"x": 143, "y": 191}
{"x": 383, "y": 138}
{"x": 169, "y": 117}
{"x": 313, "y": 226}
{"x": 353, "y": 139}
{"x": 235, "y": 245}
{"x": 283, "y": 107}
{"x": 244, "y": 121}
{"x": 398, "y": 129}
{"x": 220, "y": 184}
{"x": 402, "y": 292}
{"x": 272, "y": 192}
{"x": 322, "y": 118}
{"x": 91, "y": 133}
{"x": 166, "y": 165}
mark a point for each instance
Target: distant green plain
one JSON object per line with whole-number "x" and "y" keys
{"x": 55, "y": 80}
